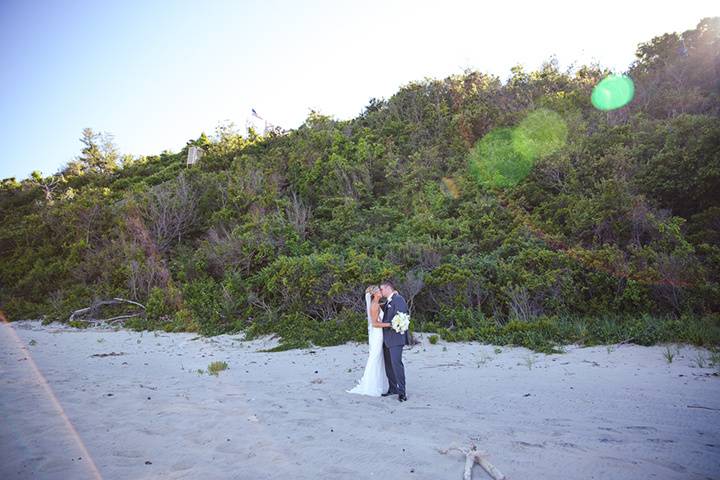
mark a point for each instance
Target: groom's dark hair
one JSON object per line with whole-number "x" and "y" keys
{"x": 388, "y": 283}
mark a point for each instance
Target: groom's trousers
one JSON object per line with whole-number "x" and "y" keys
{"x": 394, "y": 368}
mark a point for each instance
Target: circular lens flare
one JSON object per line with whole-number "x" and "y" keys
{"x": 614, "y": 91}
{"x": 541, "y": 133}
{"x": 494, "y": 161}
{"x": 505, "y": 156}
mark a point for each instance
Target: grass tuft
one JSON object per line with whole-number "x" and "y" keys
{"x": 216, "y": 367}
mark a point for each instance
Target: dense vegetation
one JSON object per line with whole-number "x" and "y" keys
{"x": 613, "y": 236}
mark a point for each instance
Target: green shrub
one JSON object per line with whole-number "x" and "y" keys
{"x": 429, "y": 327}
{"x": 158, "y": 309}
{"x": 203, "y": 300}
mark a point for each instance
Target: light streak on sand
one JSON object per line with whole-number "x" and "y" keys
{"x": 255, "y": 425}
{"x": 93, "y": 470}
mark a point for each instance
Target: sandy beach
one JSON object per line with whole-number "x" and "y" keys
{"x": 128, "y": 405}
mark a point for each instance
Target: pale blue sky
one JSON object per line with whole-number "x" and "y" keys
{"x": 157, "y": 73}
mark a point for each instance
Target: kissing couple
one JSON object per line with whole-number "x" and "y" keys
{"x": 384, "y": 371}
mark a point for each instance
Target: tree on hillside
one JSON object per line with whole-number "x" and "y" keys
{"x": 679, "y": 73}
{"x": 48, "y": 185}
{"x": 98, "y": 155}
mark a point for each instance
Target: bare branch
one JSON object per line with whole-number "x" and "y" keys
{"x": 92, "y": 309}
{"x": 298, "y": 214}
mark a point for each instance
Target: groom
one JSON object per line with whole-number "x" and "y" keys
{"x": 393, "y": 342}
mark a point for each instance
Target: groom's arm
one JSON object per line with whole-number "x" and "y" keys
{"x": 402, "y": 305}
{"x": 388, "y": 312}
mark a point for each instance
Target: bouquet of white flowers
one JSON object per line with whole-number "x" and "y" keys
{"x": 401, "y": 322}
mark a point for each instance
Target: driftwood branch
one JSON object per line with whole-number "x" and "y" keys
{"x": 120, "y": 317}
{"x": 121, "y": 300}
{"x": 113, "y": 320}
{"x": 97, "y": 304}
{"x": 473, "y": 456}
{"x": 469, "y": 462}
{"x": 704, "y": 408}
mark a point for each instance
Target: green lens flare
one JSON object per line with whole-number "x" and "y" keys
{"x": 494, "y": 161}
{"x": 541, "y": 133}
{"x": 614, "y": 91}
{"x": 505, "y": 156}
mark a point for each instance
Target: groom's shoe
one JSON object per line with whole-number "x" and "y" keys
{"x": 387, "y": 394}
{"x": 402, "y": 397}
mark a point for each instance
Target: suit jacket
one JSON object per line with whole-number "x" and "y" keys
{"x": 390, "y": 337}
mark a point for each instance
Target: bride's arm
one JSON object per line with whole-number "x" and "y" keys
{"x": 374, "y": 314}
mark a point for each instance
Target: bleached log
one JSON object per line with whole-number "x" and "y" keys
{"x": 705, "y": 408}
{"x": 78, "y": 312}
{"x": 100, "y": 303}
{"x": 129, "y": 301}
{"x": 113, "y": 320}
{"x": 469, "y": 462}
{"x": 482, "y": 460}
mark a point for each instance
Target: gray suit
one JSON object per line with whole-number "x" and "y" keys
{"x": 393, "y": 343}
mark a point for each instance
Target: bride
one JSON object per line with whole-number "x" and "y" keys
{"x": 374, "y": 380}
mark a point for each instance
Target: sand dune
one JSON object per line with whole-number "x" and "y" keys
{"x": 129, "y": 405}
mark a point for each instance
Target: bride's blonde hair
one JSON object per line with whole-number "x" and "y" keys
{"x": 372, "y": 289}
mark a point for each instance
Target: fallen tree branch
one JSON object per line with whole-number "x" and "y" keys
{"x": 113, "y": 320}
{"x": 704, "y": 408}
{"x": 97, "y": 304}
{"x": 78, "y": 312}
{"x": 129, "y": 301}
{"x": 473, "y": 456}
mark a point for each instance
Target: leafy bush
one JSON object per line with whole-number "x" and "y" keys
{"x": 611, "y": 235}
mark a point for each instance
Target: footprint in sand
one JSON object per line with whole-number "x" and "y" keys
{"x": 660, "y": 440}
{"x": 641, "y": 428}
{"x": 305, "y": 422}
{"x": 675, "y": 467}
{"x": 127, "y": 453}
{"x": 527, "y": 444}
{"x": 610, "y": 440}
{"x": 230, "y": 448}
{"x": 183, "y": 465}
{"x": 619, "y": 460}
{"x": 558, "y": 422}
{"x": 569, "y": 445}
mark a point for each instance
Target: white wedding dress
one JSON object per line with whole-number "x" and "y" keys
{"x": 374, "y": 381}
